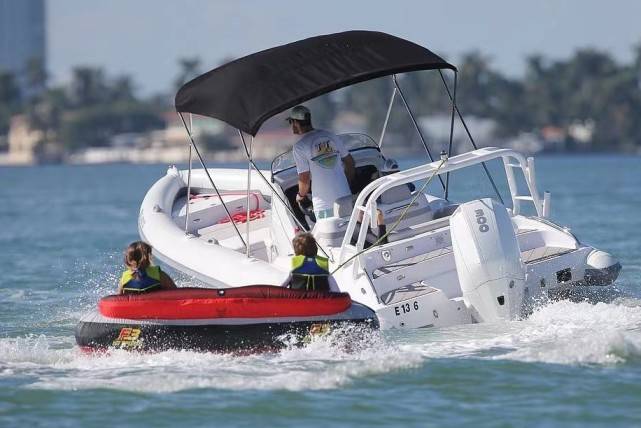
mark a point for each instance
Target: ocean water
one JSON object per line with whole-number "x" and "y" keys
{"x": 572, "y": 363}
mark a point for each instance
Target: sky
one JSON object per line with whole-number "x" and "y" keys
{"x": 145, "y": 38}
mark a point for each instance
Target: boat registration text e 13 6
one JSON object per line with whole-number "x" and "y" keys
{"x": 405, "y": 308}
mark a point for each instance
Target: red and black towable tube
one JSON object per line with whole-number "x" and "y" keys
{"x": 258, "y": 301}
{"x": 245, "y": 318}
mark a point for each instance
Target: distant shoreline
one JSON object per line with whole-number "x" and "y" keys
{"x": 241, "y": 162}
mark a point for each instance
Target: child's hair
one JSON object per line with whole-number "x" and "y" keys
{"x": 305, "y": 245}
{"x": 138, "y": 256}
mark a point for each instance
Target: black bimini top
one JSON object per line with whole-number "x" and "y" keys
{"x": 248, "y": 91}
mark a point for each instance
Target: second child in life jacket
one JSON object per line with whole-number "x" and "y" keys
{"x": 309, "y": 270}
{"x": 141, "y": 276}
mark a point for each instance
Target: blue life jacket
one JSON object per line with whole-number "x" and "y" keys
{"x": 310, "y": 273}
{"x": 146, "y": 280}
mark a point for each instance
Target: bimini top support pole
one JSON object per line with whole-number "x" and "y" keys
{"x": 387, "y": 116}
{"x": 449, "y": 148}
{"x": 274, "y": 191}
{"x": 249, "y": 171}
{"x": 418, "y": 129}
{"x": 191, "y": 124}
{"x": 469, "y": 135}
{"x": 202, "y": 162}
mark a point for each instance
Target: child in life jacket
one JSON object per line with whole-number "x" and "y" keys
{"x": 140, "y": 275}
{"x": 309, "y": 270}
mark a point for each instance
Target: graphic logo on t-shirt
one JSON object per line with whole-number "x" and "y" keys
{"x": 324, "y": 154}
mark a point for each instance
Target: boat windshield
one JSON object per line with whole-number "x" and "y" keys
{"x": 352, "y": 141}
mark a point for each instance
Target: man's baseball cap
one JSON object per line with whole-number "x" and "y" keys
{"x": 299, "y": 113}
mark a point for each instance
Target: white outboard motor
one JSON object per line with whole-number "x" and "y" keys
{"x": 488, "y": 260}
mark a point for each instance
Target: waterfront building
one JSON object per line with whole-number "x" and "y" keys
{"x": 22, "y": 36}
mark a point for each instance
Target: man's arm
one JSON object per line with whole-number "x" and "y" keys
{"x": 304, "y": 181}
{"x": 302, "y": 167}
{"x": 350, "y": 170}
{"x": 348, "y": 160}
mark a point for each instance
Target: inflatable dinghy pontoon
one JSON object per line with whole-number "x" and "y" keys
{"x": 252, "y": 318}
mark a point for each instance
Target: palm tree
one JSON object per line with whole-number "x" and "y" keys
{"x": 476, "y": 81}
{"x": 36, "y": 76}
{"x": 10, "y": 99}
{"x": 88, "y": 86}
{"x": 9, "y": 89}
{"x": 189, "y": 68}
{"x": 122, "y": 89}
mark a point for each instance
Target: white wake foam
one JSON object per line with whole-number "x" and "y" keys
{"x": 560, "y": 333}
{"x": 568, "y": 333}
{"x": 325, "y": 363}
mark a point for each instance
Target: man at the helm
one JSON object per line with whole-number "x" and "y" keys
{"x": 322, "y": 157}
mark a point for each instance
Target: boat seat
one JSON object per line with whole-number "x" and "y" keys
{"x": 441, "y": 207}
{"x": 395, "y": 194}
{"x": 206, "y": 209}
{"x": 391, "y": 204}
{"x": 329, "y": 232}
{"x": 445, "y": 211}
{"x": 394, "y": 201}
{"x": 344, "y": 206}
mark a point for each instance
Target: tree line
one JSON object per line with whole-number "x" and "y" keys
{"x": 589, "y": 87}
{"x": 87, "y": 111}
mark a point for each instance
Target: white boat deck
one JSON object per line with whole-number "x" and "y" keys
{"x": 416, "y": 288}
{"x": 528, "y": 256}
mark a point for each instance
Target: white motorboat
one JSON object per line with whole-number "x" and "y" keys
{"x": 445, "y": 261}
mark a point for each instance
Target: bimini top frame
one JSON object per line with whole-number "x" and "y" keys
{"x": 246, "y": 92}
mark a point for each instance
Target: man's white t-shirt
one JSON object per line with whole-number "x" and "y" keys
{"x": 321, "y": 152}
